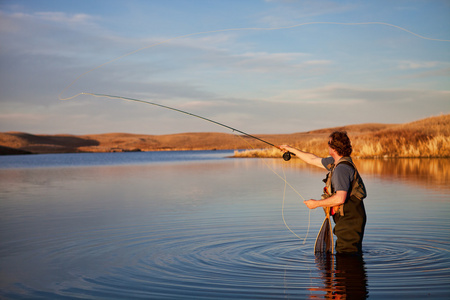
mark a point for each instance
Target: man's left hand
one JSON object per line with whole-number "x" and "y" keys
{"x": 311, "y": 203}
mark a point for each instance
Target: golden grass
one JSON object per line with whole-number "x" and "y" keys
{"x": 425, "y": 138}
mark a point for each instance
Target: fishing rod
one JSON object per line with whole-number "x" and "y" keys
{"x": 286, "y": 155}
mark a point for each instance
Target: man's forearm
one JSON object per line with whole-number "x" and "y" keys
{"x": 307, "y": 157}
{"x": 335, "y": 200}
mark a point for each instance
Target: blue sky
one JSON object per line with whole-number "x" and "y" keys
{"x": 230, "y": 69}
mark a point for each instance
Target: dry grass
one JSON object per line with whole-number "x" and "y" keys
{"x": 424, "y": 138}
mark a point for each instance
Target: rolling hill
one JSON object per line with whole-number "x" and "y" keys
{"x": 372, "y": 138}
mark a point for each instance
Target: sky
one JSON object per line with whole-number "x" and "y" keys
{"x": 261, "y": 66}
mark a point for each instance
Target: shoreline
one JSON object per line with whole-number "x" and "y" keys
{"x": 427, "y": 138}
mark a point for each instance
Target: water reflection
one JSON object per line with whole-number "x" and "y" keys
{"x": 214, "y": 229}
{"x": 434, "y": 173}
{"x": 343, "y": 277}
{"x": 429, "y": 173}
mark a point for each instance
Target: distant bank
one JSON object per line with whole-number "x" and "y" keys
{"x": 429, "y": 137}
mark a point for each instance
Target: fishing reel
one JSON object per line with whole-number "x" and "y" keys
{"x": 287, "y": 155}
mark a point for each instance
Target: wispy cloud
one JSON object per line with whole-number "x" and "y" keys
{"x": 424, "y": 69}
{"x": 441, "y": 72}
{"x": 414, "y": 65}
{"x": 293, "y": 78}
{"x": 345, "y": 94}
{"x": 17, "y": 21}
{"x": 290, "y": 10}
{"x": 276, "y": 62}
{"x": 61, "y": 17}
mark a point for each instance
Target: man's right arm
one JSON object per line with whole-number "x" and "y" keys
{"x": 307, "y": 157}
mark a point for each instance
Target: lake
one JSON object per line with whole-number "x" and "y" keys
{"x": 201, "y": 225}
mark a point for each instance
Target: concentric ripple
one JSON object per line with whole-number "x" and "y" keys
{"x": 139, "y": 237}
{"x": 264, "y": 263}
{"x": 398, "y": 260}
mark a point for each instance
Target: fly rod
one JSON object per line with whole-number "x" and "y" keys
{"x": 286, "y": 155}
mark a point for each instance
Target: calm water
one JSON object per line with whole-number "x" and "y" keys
{"x": 198, "y": 225}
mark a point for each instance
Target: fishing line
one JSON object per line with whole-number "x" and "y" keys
{"x": 286, "y": 155}
{"x": 286, "y": 183}
{"x": 186, "y": 113}
{"x": 234, "y": 131}
{"x": 237, "y": 29}
{"x": 282, "y": 209}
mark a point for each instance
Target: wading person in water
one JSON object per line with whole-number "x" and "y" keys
{"x": 344, "y": 191}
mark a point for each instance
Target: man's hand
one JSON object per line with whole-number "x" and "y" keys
{"x": 311, "y": 203}
{"x": 335, "y": 200}
{"x": 287, "y": 148}
{"x": 307, "y": 157}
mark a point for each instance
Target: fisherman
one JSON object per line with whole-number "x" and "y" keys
{"x": 344, "y": 191}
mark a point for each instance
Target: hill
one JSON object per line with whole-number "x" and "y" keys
{"x": 428, "y": 137}
{"x": 424, "y": 138}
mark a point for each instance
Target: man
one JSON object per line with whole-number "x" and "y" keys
{"x": 344, "y": 191}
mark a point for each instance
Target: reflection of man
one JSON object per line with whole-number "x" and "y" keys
{"x": 345, "y": 280}
{"x": 345, "y": 190}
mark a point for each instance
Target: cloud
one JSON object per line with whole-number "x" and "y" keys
{"x": 49, "y": 33}
{"x": 41, "y": 22}
{"x": 347, "y": 95}
{"x": 275, "y": 62}
{"x": 61, "y": 17}
{"x": 425, "y": 69}
{"x": 271, "y": 82}
{"x": 289, "y": 10}
{"x": 444, "y": 72}
{"x": 63, "y": 46}
{"x": 29, "y": 118}
{"x": 413, "y": 65}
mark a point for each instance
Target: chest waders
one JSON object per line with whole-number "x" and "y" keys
{"x": 350, "y": 217}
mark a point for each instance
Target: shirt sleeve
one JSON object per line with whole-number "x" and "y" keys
{"x": 343, "y": 177}
{"x": 327, "y": 161}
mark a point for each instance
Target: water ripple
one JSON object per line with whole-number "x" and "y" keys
{"x": 116, "y": 240}
{"x": 142, "y": 262}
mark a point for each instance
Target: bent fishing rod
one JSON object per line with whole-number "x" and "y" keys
{"x": 286, "y": 155}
